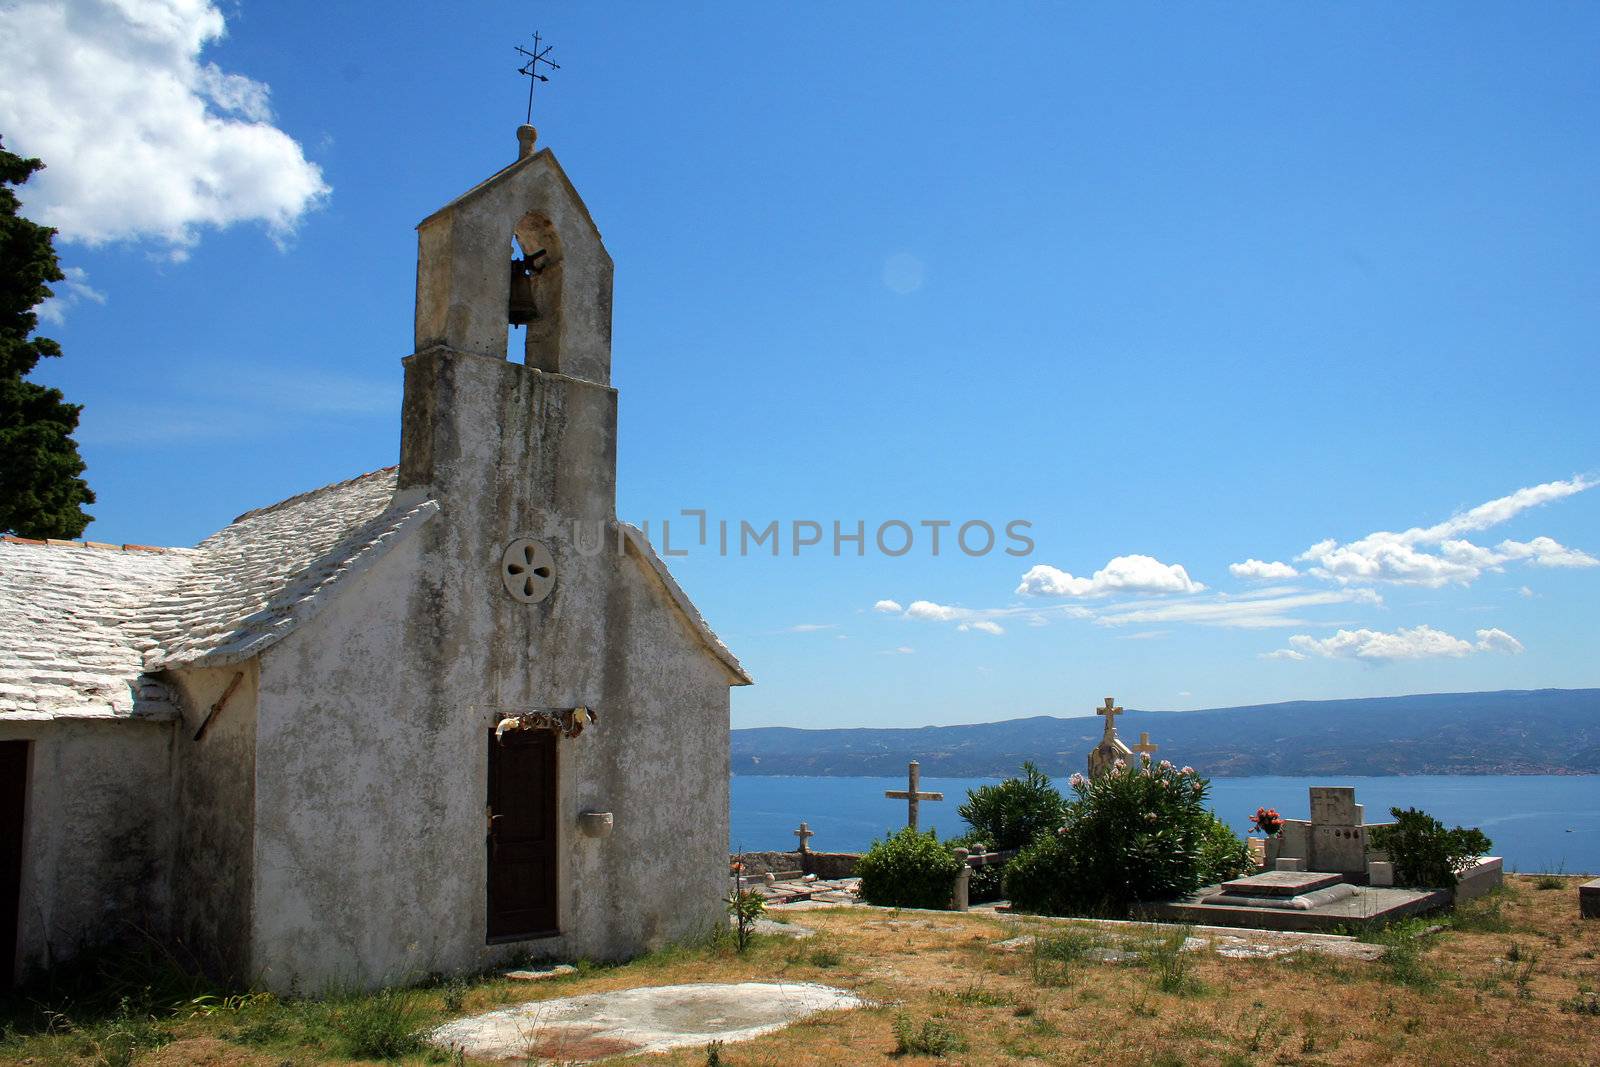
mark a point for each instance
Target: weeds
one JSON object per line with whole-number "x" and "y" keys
{"x": 1583, "y": 1002}
{"x": 1403, "y": 963}
{"x": 978, "y": 996}
{"x": 932, "y": 1038}
{"x": 381, "y": 1026}
{"x": 825, "y": 958}
{"x": 1053, "y": 955}
{"x": 1486, "y": 915}
{"x": 1164, "y": 954}
{"x": 454, "y": 994}
{"x": 714, "y": 1054}
{"x": 1551, "y": 879}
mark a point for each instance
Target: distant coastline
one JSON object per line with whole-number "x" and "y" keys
{"x": 1508, "y": 732}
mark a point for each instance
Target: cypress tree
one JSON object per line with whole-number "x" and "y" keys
{"x": 42, "y": 492}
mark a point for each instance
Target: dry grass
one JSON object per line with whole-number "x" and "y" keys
{"x": 1501, "y": 989}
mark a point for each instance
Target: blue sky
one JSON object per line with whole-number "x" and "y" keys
{"x": 1182, "y": 287}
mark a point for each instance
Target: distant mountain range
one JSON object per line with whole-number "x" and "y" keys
{"x": 1540, "y": 731}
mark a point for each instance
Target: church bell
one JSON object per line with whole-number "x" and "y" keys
{"x": 524, "y": 273}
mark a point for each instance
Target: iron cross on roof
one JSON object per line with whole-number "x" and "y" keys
{"x": 531, "y": 67}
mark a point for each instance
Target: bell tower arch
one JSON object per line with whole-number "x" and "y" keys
{"x": 472, "y": 288}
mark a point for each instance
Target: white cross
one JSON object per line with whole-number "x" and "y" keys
{"x": 1144, "y": 746}
{"x": 1110, "y": 711}
{"x": 910, "y": 794}
{"x": 805, "y": 834}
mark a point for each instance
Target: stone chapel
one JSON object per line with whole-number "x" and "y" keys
{"x": 424, "y": 720}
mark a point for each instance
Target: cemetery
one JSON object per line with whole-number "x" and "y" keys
{"x": 407, "y": 768}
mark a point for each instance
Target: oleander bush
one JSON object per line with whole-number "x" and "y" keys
{"x": 1223, "y": 854}
{"x": 1137, "y": 833}
{"x": 1009, "y": 815}
{"x": 909, "y": 869}
{"x": 1423, "y": 852}
{"x": 1016, "y": 811}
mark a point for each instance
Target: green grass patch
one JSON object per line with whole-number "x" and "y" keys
{"x": 933, "y": 1038}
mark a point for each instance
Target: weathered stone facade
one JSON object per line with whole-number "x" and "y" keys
{"x": 300, "y": 798}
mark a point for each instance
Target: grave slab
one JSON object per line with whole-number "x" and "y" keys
{"x": 1367, "y": 909}
{"x": 1281, "y": 883}
{"x": 624, "y": 1022}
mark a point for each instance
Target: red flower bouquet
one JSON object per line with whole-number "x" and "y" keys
{"x": 1267, "y": 820}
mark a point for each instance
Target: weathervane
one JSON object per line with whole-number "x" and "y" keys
{"x": 531, "y": 67}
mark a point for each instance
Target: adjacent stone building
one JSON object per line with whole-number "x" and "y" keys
{"x": 422, "y": 720}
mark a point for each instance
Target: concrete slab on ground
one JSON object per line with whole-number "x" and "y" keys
{"x": 1281, "y": 883}
{"x": 597, "y": 1026}
{"x": 1367, "y": 909}
{"x": 1243, "y": 945}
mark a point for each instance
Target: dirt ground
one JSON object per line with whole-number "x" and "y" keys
{"x": 1509, "y": 980}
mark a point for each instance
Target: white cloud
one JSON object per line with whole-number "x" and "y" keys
{"x": 891, "y": 606}
{"x": 1256, "y": 569}
{"x": 1526, "y": 592}
{"x": 982, "y": 626}
{"x": 1124, "y": 574}
{"x": 1418, "y": 642}
{"x": 812, "y": 627}
{"x": 69, "y": 293}
{"x": 1437, "y": 555}
{"x": 928, "y": 611}
{"x": 140, "y": 137}
{"x": 1257, "y": 610}
{"x": 1544, "y": 552}
{"x": 1496, "y": 640}
{"x": 903, "y": 650}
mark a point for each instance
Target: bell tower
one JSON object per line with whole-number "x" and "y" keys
{"x": 525, "y": 448}
{"x": 518, "y": 251}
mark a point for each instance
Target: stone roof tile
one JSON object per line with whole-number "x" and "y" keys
{"x": 81, "y": 624}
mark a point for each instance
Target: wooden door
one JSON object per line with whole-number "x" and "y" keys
{"x": 522, "y": 835}
{"x": 13, "y": 797}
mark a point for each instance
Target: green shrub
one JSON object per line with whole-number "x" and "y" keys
{"x": 383, "y": 1026}
{"x": 932, "y": 1038}
{"x": 1013, "y": 813}
{"x": 1223, "y": 854}
{"x": 1133, "y": 834}
{"x": 1424, "y": 853}
{"x": 909, "y": 869}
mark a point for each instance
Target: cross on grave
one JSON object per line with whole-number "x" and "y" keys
{"x": 1110, "y": 711}
{"x": 805, "y": 834}
{"x": 910, "y": 794}
{"x": 1144, "y": 747}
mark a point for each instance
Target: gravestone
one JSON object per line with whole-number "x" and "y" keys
{"x": 1338, "y": 836}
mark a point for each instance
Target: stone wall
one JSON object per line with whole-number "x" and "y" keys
{"x": 821, "y": 864}
{"x": 375, "y": 716}
{"x": 96, "y": 838}
{"x": 213, "y": 812}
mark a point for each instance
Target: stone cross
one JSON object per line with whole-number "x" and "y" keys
{"x": 1110, "y": 711}
{"x": 910, "y": 794}
{"x": 1144, "y": 747}
{"x": 805, "y": 834}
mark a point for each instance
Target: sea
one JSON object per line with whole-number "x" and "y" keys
{"x": 1537, "y": 822}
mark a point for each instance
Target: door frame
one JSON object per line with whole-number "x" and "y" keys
{"x": 13, "y": 804}
{"x": 492, "y": 767}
